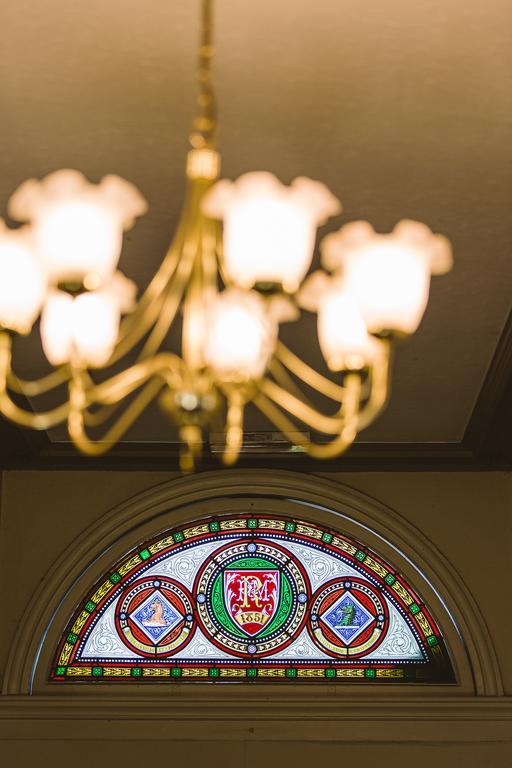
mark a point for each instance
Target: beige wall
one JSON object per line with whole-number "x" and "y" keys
{"x": 466, "y": 515}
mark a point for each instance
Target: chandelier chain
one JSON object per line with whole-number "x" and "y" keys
{"x": 204, "y": 126}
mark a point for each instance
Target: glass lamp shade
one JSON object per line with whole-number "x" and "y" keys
{"x": 84, "y": 328}
{"x": 239, "y": 337}
{"x": 389, "y": 275}
{"x": 269, "y": 228}
{"x": 77, "y": 226}
{"x": 22, "y": 281}
{"x": 342, "y": 333}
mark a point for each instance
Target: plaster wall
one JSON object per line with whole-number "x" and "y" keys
{"x": 466, "y": 515}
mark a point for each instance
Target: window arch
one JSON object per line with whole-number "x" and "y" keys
{"x": 367, "y": 619}
{"x": 249, "y": 596}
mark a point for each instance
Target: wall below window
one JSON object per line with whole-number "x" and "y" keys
{"x": 467, "y": 516}
{"x": 249, "y": 754}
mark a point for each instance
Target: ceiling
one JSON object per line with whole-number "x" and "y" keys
{"x": 403, "y": 109}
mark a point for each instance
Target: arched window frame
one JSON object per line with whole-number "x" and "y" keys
{"x": 286, "y": 493}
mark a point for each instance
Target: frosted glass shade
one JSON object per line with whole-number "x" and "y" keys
{"x": 22, "y": 281}
{"x": 342, "y": 333}
{"x": 269, "y": 228}
{"x": 78, "y": 226}
{"x": 239, "y": 337}
{"x": 389, "y": 275}
{"x": 84, "y": 328}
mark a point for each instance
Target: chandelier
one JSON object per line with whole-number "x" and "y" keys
{"x": 236, "y": 269}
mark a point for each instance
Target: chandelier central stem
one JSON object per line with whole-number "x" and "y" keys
{"x": 204, "y": 126}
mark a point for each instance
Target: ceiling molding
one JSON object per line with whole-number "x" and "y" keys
{"x": 19, "y": 445}
{"x": 486, "y": 445}
{"x": 362, "y": 457}
{"x": 489, "y": 432}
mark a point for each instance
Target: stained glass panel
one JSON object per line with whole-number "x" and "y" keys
{"x": 263, "y": 599}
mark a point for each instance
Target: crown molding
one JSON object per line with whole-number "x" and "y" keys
{"x": 489, "y": 430}
{"x": 235, "y": 717}
{"x": 361, "y": 457}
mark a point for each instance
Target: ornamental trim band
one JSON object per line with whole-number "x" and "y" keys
{"x": 260, "y": 599}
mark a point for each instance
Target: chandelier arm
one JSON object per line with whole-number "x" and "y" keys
{"x": 282, "y": 377}
{"x": 380, "y": 388}
{"x": 203, "y": 283}
{"x": 8, "y": 408}
{"x": 147, "y": 307}
{"x": 104, "y": 412}
{"x": 135, "y": 326}
{"x": 37, "y": 387}
{"x": 38, "y": 421}
{"x": 98, "y": 417}
{"x": 192, "y": 318}
{"x": 189, "y": 254}
{"x": 168, "y": 310}
{"x": 234, "y": 426}
{"x": 220, "y": 255}
{"x": 308, "y": 375}
{"x": 346, "y": 435}
{"x": 76, "y": 426}
{"x": 160, "y": 280}
{"x": 330, "y": 425}
{"x": 165, "y": 366}
{"x": 192, "y": 441}
{"x": 170, "y": 305}
{"x": 146, "y": 314}
{"x": 210, "y": 238}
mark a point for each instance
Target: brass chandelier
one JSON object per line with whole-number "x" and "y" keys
{"x": 236, "y": 268}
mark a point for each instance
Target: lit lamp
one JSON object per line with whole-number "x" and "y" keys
{"x": 227, "y": 288}
{"x": 22, "y": 281}
{"x": 77, "y": 226}
{"x": 389, "y": 275}
{"x": 84, "y": 328}
{"x": 344, "y": 340}
{"x": 269, "y": 228}
{"x": 240, "y": 336}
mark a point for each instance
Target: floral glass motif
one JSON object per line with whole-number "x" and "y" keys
{"x": 265, "y": 599}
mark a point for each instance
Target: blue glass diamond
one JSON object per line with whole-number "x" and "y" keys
{"x": 347, "y": 618}
{"x": 156, "y": 616}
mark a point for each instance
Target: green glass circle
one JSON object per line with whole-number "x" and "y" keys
{"x": 218, "y": 605}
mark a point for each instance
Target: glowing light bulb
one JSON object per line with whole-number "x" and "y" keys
{"x": 84, "y": 328}
{"x": 269, "y": 229}
{"x": 77, "y": 239}
{"x": 239, "y": 336}
{"x": 22, "y": 281}
{"x": 389, "y": 275}
{"x": 342, "y": 333}
{"x": 77, "y": 226}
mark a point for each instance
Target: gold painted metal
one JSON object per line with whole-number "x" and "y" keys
{"x": 189, "y": 392}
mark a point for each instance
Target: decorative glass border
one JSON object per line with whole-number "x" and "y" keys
{"x": 435, "y": 668}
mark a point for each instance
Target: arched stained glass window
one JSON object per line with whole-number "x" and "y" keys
{"x": 262, "y": 599}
